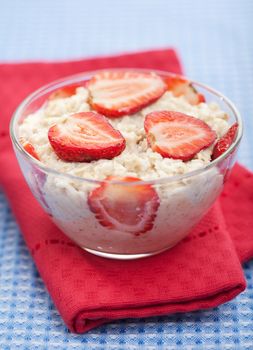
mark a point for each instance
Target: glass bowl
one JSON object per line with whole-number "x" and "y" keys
{"x": 181, "y": 201}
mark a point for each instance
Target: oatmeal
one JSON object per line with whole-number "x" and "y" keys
{"x": 138, "y": 159}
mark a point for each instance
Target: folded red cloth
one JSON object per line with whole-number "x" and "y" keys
{"x": 202, "y": 271}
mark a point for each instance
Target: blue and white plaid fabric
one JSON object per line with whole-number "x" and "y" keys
{"x": 214, "y": 40}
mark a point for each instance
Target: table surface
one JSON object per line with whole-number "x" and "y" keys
{"x": 214, "y": 40}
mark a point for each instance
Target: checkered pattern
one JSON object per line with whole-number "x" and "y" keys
{"x": 214, "y": 39}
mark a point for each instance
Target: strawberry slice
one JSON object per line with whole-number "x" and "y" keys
{"x": 225, "y": 141}
{"x": 29, "y": 148}
{"x": 84, "y": 137}
{"x": 117, "y": 93}
{"x": 177, "y": 135}
{"x": 130, "y": 209}
{"x": 182, "y": 87}
{"x": 64, "y": 92}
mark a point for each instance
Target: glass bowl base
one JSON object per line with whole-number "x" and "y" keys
{"x": 124, "y": 256}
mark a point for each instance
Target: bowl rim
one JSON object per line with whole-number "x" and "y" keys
{"x": 72, "y": 79}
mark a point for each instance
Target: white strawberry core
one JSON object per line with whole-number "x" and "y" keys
{"x": 80, "y": 130}
{"x": 174, "y": 134}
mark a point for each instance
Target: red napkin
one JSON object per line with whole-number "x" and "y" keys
{"x": 202, "y": 271}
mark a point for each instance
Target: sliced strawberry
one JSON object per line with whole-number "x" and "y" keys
{"x": 84, "y": 137}
{"x": 225, "y": 141}
{"x": 182, "y": 87}
{"x": 117, "y": 93}
{"x": 124, "y": 208}
{"x": 29, "y": 148}
{"x": 177, "y": 135}
{"x": 64, "y": 92}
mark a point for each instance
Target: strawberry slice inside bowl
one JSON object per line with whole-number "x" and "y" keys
{"x": 130, "y": 209}
{"x": 120, "y": 92}
{"x": 223, "y": 144}
{"x": 64, "y": 92}
{"x": 30, "y": 149}
{"x": 180, "y": 86}
{"x": 84, "y": 137}
{"x": 177, "y": 135}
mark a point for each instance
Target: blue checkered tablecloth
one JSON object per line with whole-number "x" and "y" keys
{"x": 214, "y": 40}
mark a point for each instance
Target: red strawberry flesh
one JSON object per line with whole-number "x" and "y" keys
{"x": 30, "y": 149}
{"x": 223, "y": 144}
{"x": 64, "y": 92}
{"x": 182, "y": 87}
{"x": 84, "y": 137}
{"x": 177, "y": 135}
{"x": 118, "y": 93}
{"x": 129, "y": 209}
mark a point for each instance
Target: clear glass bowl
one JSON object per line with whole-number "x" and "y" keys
{"x": 182, "y": 200}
